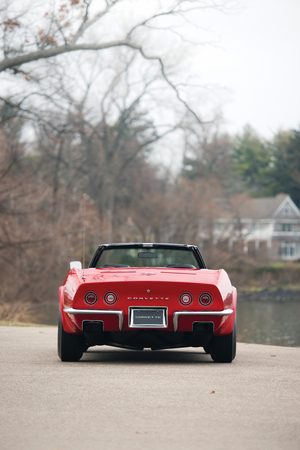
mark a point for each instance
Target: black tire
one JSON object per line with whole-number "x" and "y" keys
{"x": 223, "y": 348}
{"x": 70, "y": 346}
{"x": 207, "y": 349}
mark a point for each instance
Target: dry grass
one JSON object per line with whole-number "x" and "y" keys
{"x": 17, "y": 312}
{"x": 272, "y": 276}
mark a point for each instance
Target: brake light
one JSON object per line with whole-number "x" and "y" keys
{"x": 110, "y": 298}
{"x": 90, "y": 298}
{"x": 186, "y": 299}
{"x": 205, "y": 299}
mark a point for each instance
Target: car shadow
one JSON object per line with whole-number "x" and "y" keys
{"x": 119, "y": 356}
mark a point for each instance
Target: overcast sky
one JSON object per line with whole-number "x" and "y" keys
{"x": 258, "y": 60}
{"x": 256, "y": 57}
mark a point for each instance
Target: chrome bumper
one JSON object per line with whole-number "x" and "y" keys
{"x": 225, "y": 312}
{"x": 97, "y": 311}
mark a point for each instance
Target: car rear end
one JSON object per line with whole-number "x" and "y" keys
{"x": 149, "y": 307}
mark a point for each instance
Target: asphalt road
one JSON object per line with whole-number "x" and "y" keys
{"x": 119, "y": 399}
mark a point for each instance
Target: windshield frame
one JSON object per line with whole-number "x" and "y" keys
{"x": 146, "y": 247}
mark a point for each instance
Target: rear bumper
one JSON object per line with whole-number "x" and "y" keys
{"x": 177, "y": 314}
{"x": 97, "y": 312}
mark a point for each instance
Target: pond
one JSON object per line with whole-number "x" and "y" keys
{"x": 258, "y": 322}
{"x": 266, "y": 322}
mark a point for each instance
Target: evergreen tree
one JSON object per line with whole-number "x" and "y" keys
{"x": 284, "y": 174}
{"x": 252, "y": 158}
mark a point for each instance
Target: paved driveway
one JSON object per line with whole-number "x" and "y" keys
{"x": 119, "y": 399}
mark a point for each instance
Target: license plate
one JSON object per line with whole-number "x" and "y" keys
{"x": 147, "y": 318}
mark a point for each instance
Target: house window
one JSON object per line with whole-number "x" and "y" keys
{"x": 286, "y": 227}
{"x": 287, "y": 250}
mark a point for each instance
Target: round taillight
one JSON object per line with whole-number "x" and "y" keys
{"x": 205, "y": 299}
{"x": 186, "y": 299}
{"x": 110, "y": 298}
{"x": 91, "y": 298}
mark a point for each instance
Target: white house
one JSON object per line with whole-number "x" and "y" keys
{"x": 266, "y": 227}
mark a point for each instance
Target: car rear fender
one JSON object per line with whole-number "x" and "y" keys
{"x": 68, "y": 325}
{"x": 228, "y": 321}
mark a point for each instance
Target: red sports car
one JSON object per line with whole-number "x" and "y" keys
{"x": 140, "y": 296}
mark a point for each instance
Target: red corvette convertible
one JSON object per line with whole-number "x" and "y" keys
{"x": 140, "y": 296}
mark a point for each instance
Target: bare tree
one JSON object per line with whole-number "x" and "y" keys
{"x": 35, "y": 31}
{"x": 96, "y": 85}
{"x": 90, "y": 145}
{"x": 208, "y": 154}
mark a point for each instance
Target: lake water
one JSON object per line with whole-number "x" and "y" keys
{"x": 258, "y": 322}
{"x": 273, "y": 323}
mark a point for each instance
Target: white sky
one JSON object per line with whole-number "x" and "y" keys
{"x": 258, "y": 60}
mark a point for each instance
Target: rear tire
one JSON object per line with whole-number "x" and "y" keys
{"x": 223, "y": 348}
{"x": 70, "y": 346}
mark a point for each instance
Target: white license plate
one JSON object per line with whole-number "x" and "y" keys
{"x": 148, "y": 317}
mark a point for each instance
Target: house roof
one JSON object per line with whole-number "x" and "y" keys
{"x": 266, "y": 207}
{"x": 260, "y": 208}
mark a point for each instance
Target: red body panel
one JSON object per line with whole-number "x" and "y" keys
{"x": 148, "y": 287}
